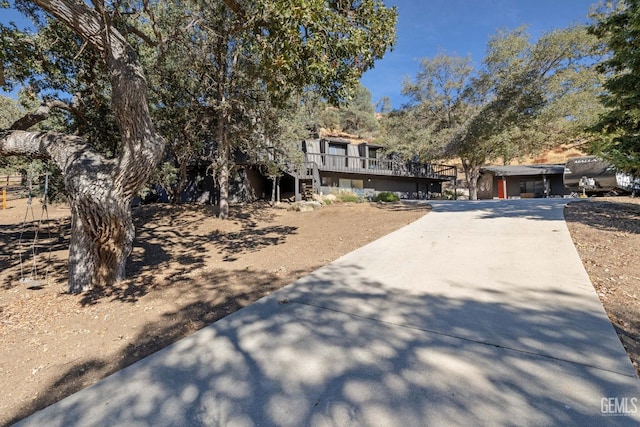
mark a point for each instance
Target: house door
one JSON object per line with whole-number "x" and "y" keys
{"x": 502, "y": 188}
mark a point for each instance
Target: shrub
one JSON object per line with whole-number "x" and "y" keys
{"x": 348, "y": 197}
{"x": 345, "y": 195}
{"x": 387, "y": 196}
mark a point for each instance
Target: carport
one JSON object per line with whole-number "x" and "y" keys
{"x": 521, "y": 181}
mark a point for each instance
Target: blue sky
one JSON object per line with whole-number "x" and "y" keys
{"x": 463, "y": 27}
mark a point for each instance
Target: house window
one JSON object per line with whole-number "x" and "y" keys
{"x": 531, "y": 188}
{"x": 338, "y": 155}
{"x": 326, "y": 181}
{"x": 345, "y": 183}
{"x": 351, "y": 184}
{"x": 374, "y": 155}
{"x": 339, "y": 149}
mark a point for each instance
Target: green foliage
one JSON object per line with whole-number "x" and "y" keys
{"x": 524, "y": 96}
{"x": 10, "y": 111}
{"x": 541, "y": 88}
{"x": 347, "y": 196}
{"x": 166, "y": 176}
{"x": 323, "y": 45}
{"x": 256, "y": 77}
{"x": 436, "y": 109}
{"x": 52, "y": 63}
{"x": 358, "y": 115}
{"x": 617, "y": 130}
{"x": 355, "y": 116}
{"x": 222, "y": 74}
{"x": 387, "y": 197}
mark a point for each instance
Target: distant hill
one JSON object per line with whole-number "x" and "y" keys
{"x": 557, "y": 155}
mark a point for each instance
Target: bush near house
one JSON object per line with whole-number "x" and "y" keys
{"x": 387, "y": 197}
{"x": 348, "y": 197}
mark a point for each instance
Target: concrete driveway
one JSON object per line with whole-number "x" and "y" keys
{"x": 479, "y": 313}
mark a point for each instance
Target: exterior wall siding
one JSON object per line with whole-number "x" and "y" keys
{"x": 488, "y": 185}
{"x": 372, "y": 185}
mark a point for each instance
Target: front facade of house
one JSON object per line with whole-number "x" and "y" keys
{"x": 334, "y": 164}
{"x": 330, "y": 165}
{"x": 521, "y": 181}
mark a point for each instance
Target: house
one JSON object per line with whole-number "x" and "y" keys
{"x": 328, "y": 165}
{"x": 333, "y": 164}
{"x": 521, "y": 181}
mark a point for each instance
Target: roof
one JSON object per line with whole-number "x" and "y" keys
{"x": 351, "y": 141}
{"x": 339, "y": 140}
{"x": 524, "y": 170}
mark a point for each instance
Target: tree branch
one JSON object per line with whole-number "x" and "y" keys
{"x": 41, "y": 114}
{"x": 62, "y": 149}
{"x": 145, "y": 38}
{"x": 78, "y": 16}
{"x": 235, "y": 7}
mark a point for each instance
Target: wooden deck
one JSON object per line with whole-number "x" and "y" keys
{"x": 385, "y": 167}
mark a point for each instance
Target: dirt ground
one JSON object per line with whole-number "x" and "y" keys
{"x": 606, "y": 233}
{"x": 189, "y": 269}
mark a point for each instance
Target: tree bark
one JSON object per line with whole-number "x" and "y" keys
{"x": 472, "y": 174}
{"x": 100, "y": 190}
{"x": 223, "y": 181}
{"x": 101, "y": 240}
{"x": 273, "y": 190}
{"x": 177, "y": 190}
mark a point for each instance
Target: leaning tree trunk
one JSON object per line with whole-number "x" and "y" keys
{"x": 472, "y": 173}
{"x": 100, "y": 190}
{"x": 102, "y": 230}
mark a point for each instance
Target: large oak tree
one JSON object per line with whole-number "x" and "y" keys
{"x": 297, "y": 44}
{"x": 100, "y": 189}
{"x": 524, "y": 96}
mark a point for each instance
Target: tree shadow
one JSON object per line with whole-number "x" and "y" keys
{"x": 605, "y": 215}
{"x": 251, "y": 239}
{"x": 536, "y": 209}
{"x": 155, "y": 336}
{"x": 404, "y": 206}
{"x": 172, "y": 236}
{"x": 338, "y": 348}
{"x": 249, "y": 213}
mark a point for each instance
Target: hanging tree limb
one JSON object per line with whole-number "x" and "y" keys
{"x": 41, "y": 114}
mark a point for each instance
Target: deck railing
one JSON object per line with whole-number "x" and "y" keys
{"x": 374, "y": 166}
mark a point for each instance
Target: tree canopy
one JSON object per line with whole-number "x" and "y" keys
{"x": 619, "y": 128}
{"x": 238, "y": 58}
{"x": 502, "y": 110}
{"x": 229, "y": 71}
